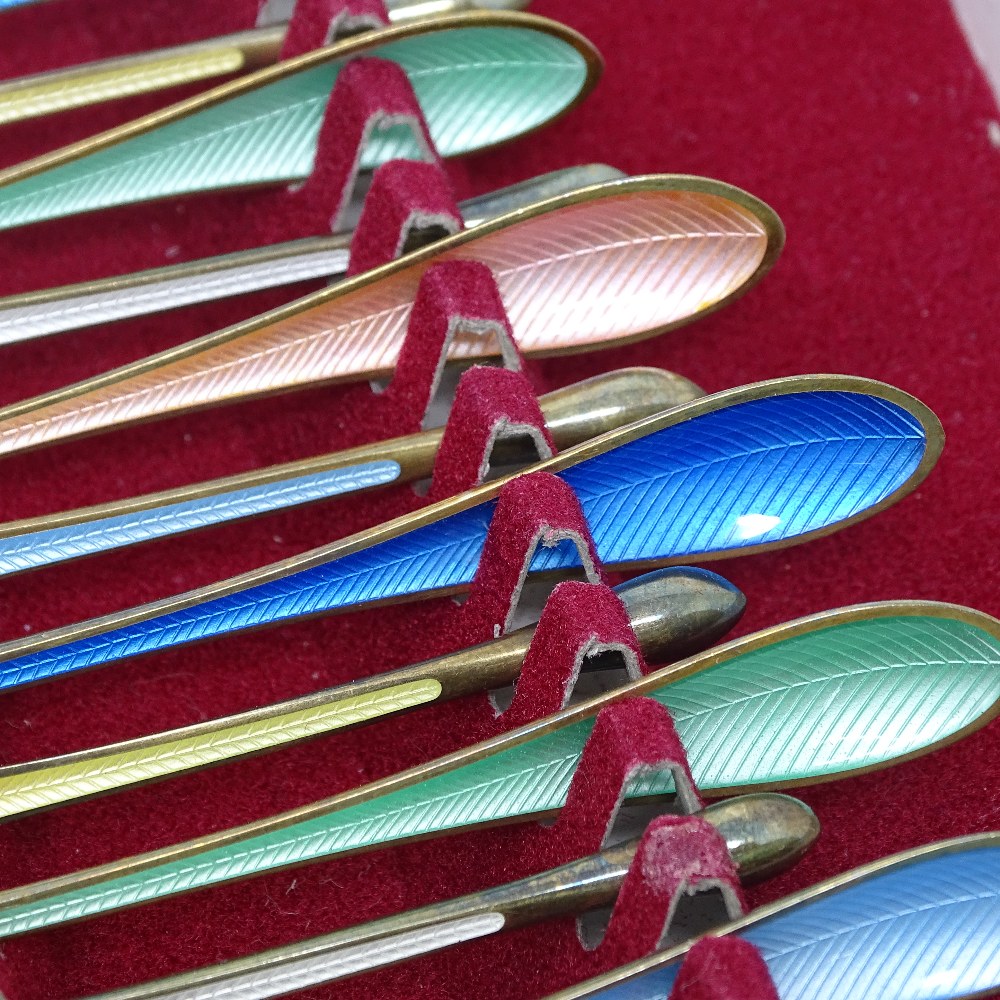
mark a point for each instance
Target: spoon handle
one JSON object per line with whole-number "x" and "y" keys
{"x": 80, "y": 86}
{"x": 160, "y": 69}
{"x": 765, "y": 834}
{"x": 673, "y": 612}
{"x": 579, "y": 886}
{"x": 573, "y": 414}
{"x": 26, "y": 789}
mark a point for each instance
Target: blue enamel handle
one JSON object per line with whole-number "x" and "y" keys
{"x": 927, "y": 929}
{"x": 71, "y": 541}
{"x": 760, "y": 471}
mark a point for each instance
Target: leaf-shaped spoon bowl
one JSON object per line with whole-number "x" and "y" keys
{"x": 159, "y": 69}
{"x": 597, "y": 268}
{"x": 482, "y": 78}
{"x": 816, "y": 699}
{"x": 763, "y": 466}
{"x": 921, "y": 925}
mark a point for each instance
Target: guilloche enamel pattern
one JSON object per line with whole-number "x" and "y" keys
{"x": 749, "y": 469}
{"x": 597, "y": 268}
{"x": 481, "y": 78}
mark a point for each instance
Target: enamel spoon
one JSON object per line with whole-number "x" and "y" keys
{"x": 765, "y": 834}
{"x": 674, "y": 612}
{"x": 105, "y": 80}
{"x": 833, "y": 694}
{"x": 596, "y": 268}
{"x": 573, "y": 415}
{"x": 481, "y": 78}
{"x": 921, "y": 925}
{"x": 759, "y": 467}
{"x": 31, "y": 315}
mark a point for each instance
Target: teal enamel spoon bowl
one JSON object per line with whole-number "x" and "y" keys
{"x": 481, "y": 78}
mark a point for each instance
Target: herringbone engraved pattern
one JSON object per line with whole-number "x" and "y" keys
{"x": 927, "y": 930}
{"x": 24, "y": 791}
{"x": 576, "y": 277}
{"x": 44, "y": 548}
{"x": 476, "y": 85}
{"x": 764, "y": 470}
{"x": 854, "y": 696}
{"x": 958, "y": 666}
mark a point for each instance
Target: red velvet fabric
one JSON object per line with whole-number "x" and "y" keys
{"x": 727, "y": 968}
{"x": 316, "y": 23}
{"x": 867, "y": 131}
{"x": 678, "y": 856}
{"x": 405, "y": 195}
{"x": 628, "y": 737}
{"x": 452, "y": 295}
{"x": 536, "y": 510}
{"x": 489, "y": 403}
{"x": 585, "y": 617}
{"x": 368, "y": 94}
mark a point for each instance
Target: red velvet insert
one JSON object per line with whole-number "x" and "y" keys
{"x": 316, "y": 23}
{"x": 533, "y": 510}
{"x": 490, "y": 404}
{"x": 677, "y": 856}
{"x": 629, "y": 737}
{"x": 584, "y": 618}
{"x": 616, "y": 754}
{"x": 453, "y": 296}
{"x": 405, "y": 195}
{"x": 368, "y": 95}
{"x": 726, "y": 968}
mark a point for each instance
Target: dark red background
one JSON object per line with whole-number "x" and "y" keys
{"x": 864, "y": 125}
